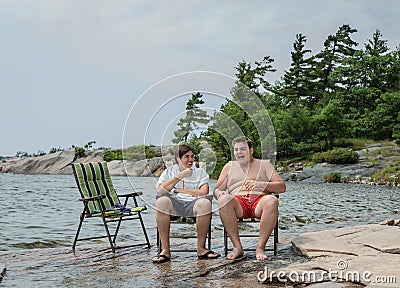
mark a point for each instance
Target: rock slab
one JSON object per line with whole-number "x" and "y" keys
{"x": 368, "y": 255}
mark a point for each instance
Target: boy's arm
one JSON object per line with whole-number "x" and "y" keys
{"x": 221, "y": 186}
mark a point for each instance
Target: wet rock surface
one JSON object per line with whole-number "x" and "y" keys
{"x": 367, "y": 248}
{"x": 132, "y": 267}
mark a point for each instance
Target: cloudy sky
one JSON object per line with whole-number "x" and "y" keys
{"x": 72, "y": 71}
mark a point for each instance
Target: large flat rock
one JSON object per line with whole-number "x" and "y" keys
{"x": 368, "y": 255}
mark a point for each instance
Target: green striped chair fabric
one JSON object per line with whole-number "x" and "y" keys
{"x": 101, "y": 200}
{"x": 93, "y": 180}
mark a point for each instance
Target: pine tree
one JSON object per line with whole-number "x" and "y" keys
{"x": 297, "y": 82}
{"x": 194, "y": 117}
{"x": 337, "y": 48}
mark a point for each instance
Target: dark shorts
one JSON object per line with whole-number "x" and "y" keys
{"x": 184, "y": 208}
{"x": 249, "y": 203}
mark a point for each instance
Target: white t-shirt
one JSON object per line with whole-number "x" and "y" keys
{"x": 199, "y": 178}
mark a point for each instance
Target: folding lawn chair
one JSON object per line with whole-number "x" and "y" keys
{"x": 100, "y": 201}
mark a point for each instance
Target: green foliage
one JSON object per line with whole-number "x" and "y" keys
{"x": 218, "y": 167}
{"x": 111, "y": 155}
{"x": 319, "y": 157}
{"x": 296, "y": 88}
{"x": 21, "y": 154}
{"x": 342, "y": 156}
{"x": 194, "y": 117}
{"x": 336, "y": 156}
{"x": 294, "y": 131}
{"x": 333, "y": 177}
{"x": 325, "y": 100}
{"x": 152, "y": 151}
{"x": 79, "y": 152}
{"x": 390, "y": 174}
{"x": 396, "y": 130}
{"x": 253, "y": 78}
{"x": 89, "y": 145}
{"x": 39, "y": 153}
{"x": 54, "y": 150}
{"x": 140, "y": 152}
{"x": 134, "y": 153}
{"x": 330, "y": 123}
{"x": 345, "y": 179}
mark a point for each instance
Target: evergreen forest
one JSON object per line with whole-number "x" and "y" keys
{"x": 324, "y": 100}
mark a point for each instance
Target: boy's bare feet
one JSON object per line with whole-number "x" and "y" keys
{"x": 260, "y": 254}
{"x": 235, "y": 254}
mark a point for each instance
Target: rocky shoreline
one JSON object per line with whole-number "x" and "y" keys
{"x": 59, "y": 163}
{"x": 372, "y": 159}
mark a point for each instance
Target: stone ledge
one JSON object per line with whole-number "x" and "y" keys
{"x": 371, "y": 249}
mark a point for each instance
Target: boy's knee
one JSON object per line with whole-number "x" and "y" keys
{"x": 224, "y": 200}
{"x": 163, "y": 202}
{"x": 269, "y": 202}
{"x": 203, "y": 205}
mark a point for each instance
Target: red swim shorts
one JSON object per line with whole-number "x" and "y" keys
{"x": 249, "y": 203}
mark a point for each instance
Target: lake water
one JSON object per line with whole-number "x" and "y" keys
{"x": 42, "y": 211}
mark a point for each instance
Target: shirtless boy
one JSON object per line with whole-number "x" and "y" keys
{"x": 249, "y": 183}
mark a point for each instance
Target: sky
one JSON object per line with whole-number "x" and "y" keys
{"x": 74, "y": 71}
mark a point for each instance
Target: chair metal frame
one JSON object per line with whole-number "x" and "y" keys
{"x": 182, "y": 221}
{"x": 274, "y": 234}
{"x": 105, "y": 215}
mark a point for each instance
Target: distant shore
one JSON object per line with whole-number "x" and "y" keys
{"x": 372, "y": 159}
{"x": 59, "y": 163}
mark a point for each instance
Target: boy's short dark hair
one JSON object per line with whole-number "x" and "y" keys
{"x": 182, "y": 150}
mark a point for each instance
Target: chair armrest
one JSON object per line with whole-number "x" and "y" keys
{"x": 98, "y": 197}
{"x": 133, "y": 194}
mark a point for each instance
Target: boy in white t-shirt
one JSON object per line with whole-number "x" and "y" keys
{"x": 182, "y": 190}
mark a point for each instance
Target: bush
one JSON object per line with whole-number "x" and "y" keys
{"x": 333, "y": 177}
{"x": 79, "y": 152}
{"x": 133, "y": 153}
{"x": 54, "y": 150}
{"x": 152, "y": 151}
{"x": 342, "y": 156}
{"x": 345, "y": 179}
{"x": 319, "y": 157}
{"x": 111, "y": 155}
{"x": 336, "y": 156}
{"x": 343, "y": 142}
